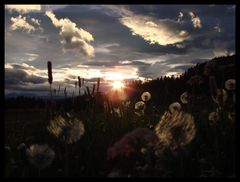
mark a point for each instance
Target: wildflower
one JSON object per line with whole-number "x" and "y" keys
{"x": 230, "y": 84}
{"x": 69, "y": 130}
{"x": 40, "y": 156}
{"x": 146, "y": 96}
{"x": 175, "y": 107}
{"x": 213, "y": 116}
{"x": 175, "y": 130}
{"x": 140, "y": 107}
{"x": 132, "y": 142}
{"x": 184, "y": 98}
{"x": 221, "y": 96}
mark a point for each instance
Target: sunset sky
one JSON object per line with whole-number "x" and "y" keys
{"x": 114, "y": 42}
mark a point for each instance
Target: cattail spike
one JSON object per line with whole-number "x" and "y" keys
{"x": 79, "y": 82}
{"x": 50, "y": 78}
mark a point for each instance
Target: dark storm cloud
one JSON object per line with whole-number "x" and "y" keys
{"x": 19, "y": 76}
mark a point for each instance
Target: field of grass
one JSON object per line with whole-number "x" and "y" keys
{"x": 210, "y": 153}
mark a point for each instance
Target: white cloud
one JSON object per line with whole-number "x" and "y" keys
{"x": 72, "y": 37}
{"x": 35, "y": 21}
{"x": 162, "y": 31}
{"x": 222, "y": 52}
{"x": 26, "y": 8}
{"x": 31, "y": 56}
{"x": 21, "y": 23}
{"x": 180, "y": 16}
{"x": 195, "y": 20}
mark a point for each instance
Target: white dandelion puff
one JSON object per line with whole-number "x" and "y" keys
{"x": 69, "y": 130}
{"x": 230, "y": 84}
{"x": 40, "y": 156}
{"x": 175, "y": 107}
{"x": 175, "y": 130}
{"x": 146, "y": 96}
{"x": 140, "y": 105}
{"x": 184, "y": 97}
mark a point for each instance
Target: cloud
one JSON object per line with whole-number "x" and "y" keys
{"x": 72, "y": 37}
{"x": 222, "y": 52}
{"x": 180, "y": 16}
{"x": 20, "y": 74}
{"x": 21, "y": 23}
{"x": 162, "y": 32}
{"x": 195, "y": 20}
{"x": 22, "y": 9}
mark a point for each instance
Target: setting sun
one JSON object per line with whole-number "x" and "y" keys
{"x": 117, "y": 85}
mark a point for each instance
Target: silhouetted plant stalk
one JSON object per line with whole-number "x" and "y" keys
{"x": 79, "y": 85}
{"x": 98, "y": 85}
{"x": 50, "y": 78}
{"x": 88, "y": 91}
{"x": 65, "y": 92}
{"x": 93, "y": 89}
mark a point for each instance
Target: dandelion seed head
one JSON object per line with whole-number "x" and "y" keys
{"x": 140, "y": 105}
{"x": 69, "y": 130}
{"x": 176, "y": 129}
{"x": 146, "y": 96}
{"x": 184, "y": 98}
{"x": 230, "y": 84}
{"x": 40, "y": 156}
{"x": 175, "y": 107}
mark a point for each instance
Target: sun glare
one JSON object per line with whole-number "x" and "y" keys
{"x": 117, "y": 85}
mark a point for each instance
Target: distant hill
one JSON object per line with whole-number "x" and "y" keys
{"x": 164, "y": 90}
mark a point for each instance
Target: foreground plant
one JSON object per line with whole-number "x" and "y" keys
{"x": 40, "y": 156}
